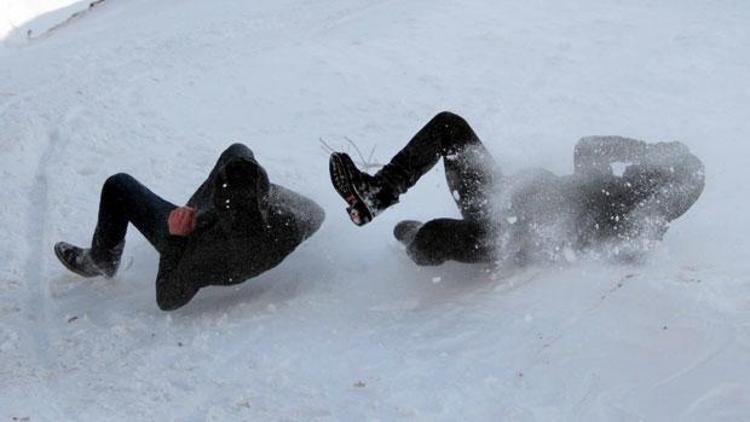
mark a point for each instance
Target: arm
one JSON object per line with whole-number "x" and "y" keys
{"x": 669, "y": 177}
{"x": 172, "y": 290}
{"x": 593, "y": 155}
{"x": 308, "y": 215}
{"x": 665, "y": 175}
{"x": 188, "y": 263}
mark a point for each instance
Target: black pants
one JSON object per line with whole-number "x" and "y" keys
{"x": 469, "y": 171}
{"x": 125, "y": 200}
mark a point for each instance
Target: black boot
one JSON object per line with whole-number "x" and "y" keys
{"x": 405, "y": 231}
{"x": 366, "y": 195}
{"x": 81, "y": 262}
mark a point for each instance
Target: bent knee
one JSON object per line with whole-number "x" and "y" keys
{"x": 118, "y": 181}
{"x": 454, "y": 132}
{"x": 448, "y": 118}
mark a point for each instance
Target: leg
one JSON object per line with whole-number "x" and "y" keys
{"x": 667, "y": 184}
{"x": 469, "y": 167}
{"x": 446, "y": 239}
{"x": 124, "y": 200}
{"x": 469, "y": 170}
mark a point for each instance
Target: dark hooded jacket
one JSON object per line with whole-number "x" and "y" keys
{"x": 246, "y": 226}
{"x": 660, "y": 182}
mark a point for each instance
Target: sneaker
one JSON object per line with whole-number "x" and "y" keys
{"x": 406, "y": 230}
{"x": 79, "y": 260}
{"x": 366, "y": 196}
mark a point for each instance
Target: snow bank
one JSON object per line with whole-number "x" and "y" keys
{"x": 17, "y": 17}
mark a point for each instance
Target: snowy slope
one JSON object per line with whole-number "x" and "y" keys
{"x": 348, "y": 328}
{"x": 17, "y": 18}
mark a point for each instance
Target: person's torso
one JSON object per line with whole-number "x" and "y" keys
{"x": 223, "y": 255}
{"x": 537, "y": 215}
{"x": 545, "y": 216}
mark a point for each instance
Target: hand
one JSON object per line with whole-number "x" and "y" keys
{"x": 182, "y": 221}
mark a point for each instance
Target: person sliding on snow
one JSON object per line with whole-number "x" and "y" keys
{"x": 236, "y": 226}
{"x": 534, "y": 214}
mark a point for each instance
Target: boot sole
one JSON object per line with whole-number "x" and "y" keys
{"x": 341, "y": 180}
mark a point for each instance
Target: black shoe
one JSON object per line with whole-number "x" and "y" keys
{"x": 80, "y": 261}
{"x": 364, "y": 194}
{"x": 405, "y": 231}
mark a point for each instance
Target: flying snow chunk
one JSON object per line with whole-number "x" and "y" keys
{"x": 436, "y": 280}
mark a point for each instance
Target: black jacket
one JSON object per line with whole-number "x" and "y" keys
{"x": 246, "y": 226}
{"x": 660, "y": 182}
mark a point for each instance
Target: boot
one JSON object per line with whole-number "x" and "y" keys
{"x": 81, "y": 262}
{"x": 406, "y": 230}
{"x": 366, "y": 195}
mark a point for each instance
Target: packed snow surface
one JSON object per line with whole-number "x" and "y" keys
{"x": 25, "y": 19}
{"x": 348, "y": 328}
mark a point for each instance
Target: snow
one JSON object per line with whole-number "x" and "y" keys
{"x": 348, "y": 328}
{"x": 19, "y": 17}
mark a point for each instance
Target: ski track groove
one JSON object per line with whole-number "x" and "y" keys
{"x": 696, "y": 364}
{"x": 36, "y": 230}
{"x": 568, "y": 324}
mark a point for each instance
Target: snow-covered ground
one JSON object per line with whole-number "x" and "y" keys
{"x": 347, "y": 328}
{"x": 24, "y": 19}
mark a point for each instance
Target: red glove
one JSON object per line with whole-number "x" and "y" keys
{"x": 182, "y": 221}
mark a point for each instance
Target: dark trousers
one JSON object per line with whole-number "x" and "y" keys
{"x": 125, "y": 200}
{"x": 469, "y": 171}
